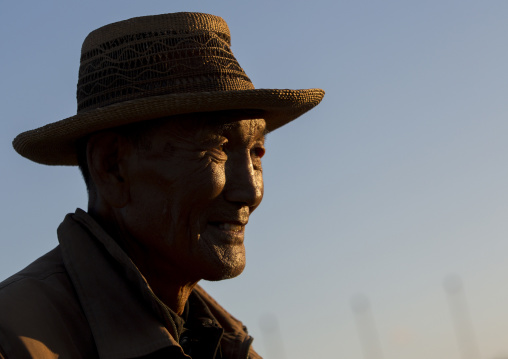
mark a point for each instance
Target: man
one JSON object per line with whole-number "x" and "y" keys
{"x": 169, "y": 136}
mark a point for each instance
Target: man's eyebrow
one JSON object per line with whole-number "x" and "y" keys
{"x": 264, "y": 133}
{"x": 225, "y": 127}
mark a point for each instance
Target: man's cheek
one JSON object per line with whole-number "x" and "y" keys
{"x": 212, "y": 181}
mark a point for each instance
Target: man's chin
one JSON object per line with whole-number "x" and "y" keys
{"x": 223, "y": 262}
{"x": 225, "y": 272}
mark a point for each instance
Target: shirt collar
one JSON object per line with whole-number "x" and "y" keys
{"x": 126, "y": 317}
{"x": 122, "y": 323}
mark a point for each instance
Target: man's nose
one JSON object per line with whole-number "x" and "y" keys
{"x": 244, "y": 184}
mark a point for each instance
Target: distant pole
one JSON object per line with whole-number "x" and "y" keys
{"x": 272, "y": 336}
{"x": 367, "y": 332}
{"x": 461, "y": 319}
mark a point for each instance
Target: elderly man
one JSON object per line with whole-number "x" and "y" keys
{"x": 169, "y": 135}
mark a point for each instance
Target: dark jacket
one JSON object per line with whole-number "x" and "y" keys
{"x": 86, "y": 299}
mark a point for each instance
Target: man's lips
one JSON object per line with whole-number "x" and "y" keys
{"x": 229, "y": 226}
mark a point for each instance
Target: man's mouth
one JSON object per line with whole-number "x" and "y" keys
{"x": 226, "y": 232}
{"x": 230, "y": 227}
{"x": 237, "y": 227}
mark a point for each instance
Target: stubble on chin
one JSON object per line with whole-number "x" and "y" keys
{"x": 228, "y": 262}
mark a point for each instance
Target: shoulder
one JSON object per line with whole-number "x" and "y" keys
{"x": 45, "y": 266}
{"x": 39, "y": 307}
{"x": 29, "y": 290}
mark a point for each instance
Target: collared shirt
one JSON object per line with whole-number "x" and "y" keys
{"x": 87, "y": 299}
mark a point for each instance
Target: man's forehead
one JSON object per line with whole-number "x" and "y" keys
{"x": 252, "y": 126}
{"x": 199, "y": 124}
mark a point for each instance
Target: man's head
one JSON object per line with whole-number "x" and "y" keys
{"x": 167, "y": 142}
{"x": 180, "y": 190}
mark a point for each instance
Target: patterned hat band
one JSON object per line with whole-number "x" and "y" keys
{"x": 153, "y": 67}
{"x": 157, "y": 63}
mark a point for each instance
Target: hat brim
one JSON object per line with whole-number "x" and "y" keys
{"x": 55, "y": 143}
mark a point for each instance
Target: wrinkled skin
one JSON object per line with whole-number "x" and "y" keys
{"x": 179, "y": 202}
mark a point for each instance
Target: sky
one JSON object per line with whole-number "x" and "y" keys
{"x": 383, "y": 231}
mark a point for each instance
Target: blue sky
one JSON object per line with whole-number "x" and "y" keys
{"x": 396, "y": 181}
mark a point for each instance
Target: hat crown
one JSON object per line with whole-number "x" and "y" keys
{"x": 153, "y": 67}
{"x": 157, "y": 55}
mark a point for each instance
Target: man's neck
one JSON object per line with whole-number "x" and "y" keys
{"x": 172, "y": 294}
{"x": 164, "y": 280}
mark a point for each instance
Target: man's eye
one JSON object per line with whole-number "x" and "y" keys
{"x": 217, "y": 151}
{"x": 217, "y": 147}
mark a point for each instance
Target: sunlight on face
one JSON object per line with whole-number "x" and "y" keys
{"x": 192, "y": 193}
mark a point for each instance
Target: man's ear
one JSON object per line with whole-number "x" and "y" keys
{"x": 106, "y": 155}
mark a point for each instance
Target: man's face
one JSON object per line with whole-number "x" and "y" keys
{"x": 192, "y": 190}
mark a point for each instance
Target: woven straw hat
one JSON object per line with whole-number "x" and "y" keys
{"x": 157, "y": 66}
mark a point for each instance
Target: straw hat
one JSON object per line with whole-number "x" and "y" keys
{"x": 157, "y": 66}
